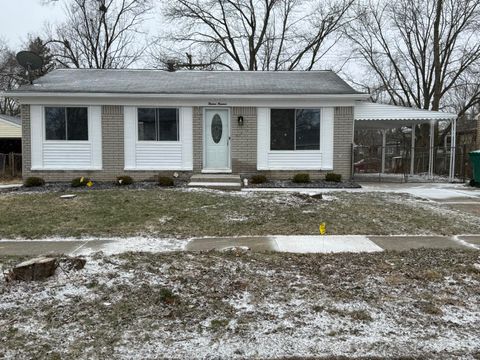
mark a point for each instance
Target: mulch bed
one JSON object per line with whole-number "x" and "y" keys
{"x": 285, "y": 184}
{"x": 66, "y": 187}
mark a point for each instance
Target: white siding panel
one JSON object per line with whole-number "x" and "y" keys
{"x": 159, "y": 156}
{"x": 67, "y": 155}
{"x": 95, "y": 135}
{"x": 326, "y": 140}
{"x": 294, "y": 160}
{"x": 130, "y": 135}
{"x": 36, "y": 136}
{"x": 263, "y": 137}
{"x": 186, "y": 137}
{"x": 9, "y": 130}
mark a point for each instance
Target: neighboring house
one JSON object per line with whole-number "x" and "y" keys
{"x": 10, "y": 134}
{"x": 106, "y": 123}
{"x": 467, "y": 131}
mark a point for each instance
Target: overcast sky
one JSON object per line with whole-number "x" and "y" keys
{"x": 18, "y": 18}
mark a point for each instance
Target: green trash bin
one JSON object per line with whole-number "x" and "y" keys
{"x": 475, "y": 159}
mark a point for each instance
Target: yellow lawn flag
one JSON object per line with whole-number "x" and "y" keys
{"x": 322, "y": 228}
{"x": 89, "y": 184}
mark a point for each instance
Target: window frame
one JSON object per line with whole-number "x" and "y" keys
{"x": 60, "y": 141}
{"x": 157, "y": 128}
{"x": 295, "y": 129}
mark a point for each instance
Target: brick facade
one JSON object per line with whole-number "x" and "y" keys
{"x": 244, "y": 140}
{"x": 243, "y": 147}
{"x": 342, "y": 141}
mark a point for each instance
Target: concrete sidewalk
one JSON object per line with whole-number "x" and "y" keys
{"x": 73, "y": 246}
{"x": 336, "y": 243}
{"x": 295, "y": 244}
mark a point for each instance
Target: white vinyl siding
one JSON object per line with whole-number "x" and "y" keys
{"x": 158, "y": 155}
{"x": 291, "y": 159}
{"x": 9, "y": 130}
{"x": 66, "y": 155}
{"x": 326, "y": 137}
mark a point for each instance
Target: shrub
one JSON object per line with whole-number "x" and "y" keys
{"x": 80, "y": 181}
{"x": 258, "y": 179}
{"x": 33, "y": 182}
{"x": 167, "y": 296}
{"x": 333, "y": 177}
{"x": 124, "y": 180}
{"x": 301, "y": 178}
{"x": 165, "y": 181}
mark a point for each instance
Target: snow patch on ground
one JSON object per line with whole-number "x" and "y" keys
{"x": 325, "y": 244}
{"x": 144, "y": 244}
{"x": 293, "y": 311}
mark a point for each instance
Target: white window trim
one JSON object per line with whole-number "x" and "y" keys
{"x": 39, "y": 141}
{"x": 295, "y": 127}
{"x": 185, "y": 140}
{"x": 179, "y": 125}
{"x": 300, "y": 157}
{"x": 44, "y": 125}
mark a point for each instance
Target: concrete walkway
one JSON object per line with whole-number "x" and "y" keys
{"x": 73, "y": 246}
{"x": 295, "y": 244}
{"x": 336, "y": 243}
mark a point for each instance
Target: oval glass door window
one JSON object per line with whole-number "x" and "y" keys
{"x": 217, "y": 128}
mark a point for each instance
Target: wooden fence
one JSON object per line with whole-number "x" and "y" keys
{"x": 11, "y": 165}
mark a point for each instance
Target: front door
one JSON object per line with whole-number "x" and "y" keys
{"x": 217, "y": 140}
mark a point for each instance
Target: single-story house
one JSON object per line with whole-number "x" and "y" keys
{"x": 106, "y": 123}
{"x": 10, "y": 134}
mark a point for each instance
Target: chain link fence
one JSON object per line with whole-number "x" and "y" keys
{"x": 367, "y": 163}
{"x": 10, "y": 165}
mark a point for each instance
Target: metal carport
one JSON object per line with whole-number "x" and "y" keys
{"x": 376, "y": 116}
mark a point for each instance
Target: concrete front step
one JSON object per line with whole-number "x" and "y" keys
{"x": 216, "y": 185}
{"x": 216, "y": 181}
{"x": 215, "y": 178}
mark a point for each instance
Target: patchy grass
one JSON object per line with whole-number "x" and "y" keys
{"x": 248, "y": 305}
{"x": 7, "y": 180}
{"x": 181, "y": 213}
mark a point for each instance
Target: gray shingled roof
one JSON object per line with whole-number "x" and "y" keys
{"x": 190, "y": 82}
{"x": 13, "y": 119}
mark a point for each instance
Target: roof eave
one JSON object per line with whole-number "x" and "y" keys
{"x": 38, "y": 94}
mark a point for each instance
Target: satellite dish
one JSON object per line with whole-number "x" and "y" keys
{"x": 29, "y": 61}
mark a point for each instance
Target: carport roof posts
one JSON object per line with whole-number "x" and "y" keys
{"x": 382, "y": 116}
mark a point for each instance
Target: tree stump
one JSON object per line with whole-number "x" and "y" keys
{"x": 34, "y": 269}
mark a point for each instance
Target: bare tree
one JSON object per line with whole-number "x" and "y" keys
{"x": 8, "y": 67}
{"x": 100, "y": 34}
{"x": 258, "y": 34}
{"x": 421, "y": 52}
{"x": 13, "y": 75}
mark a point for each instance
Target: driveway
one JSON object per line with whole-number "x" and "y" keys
{"x": 455, "y": 196}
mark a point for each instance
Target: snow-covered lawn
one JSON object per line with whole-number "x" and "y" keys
{"x": 422, "y": 303}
